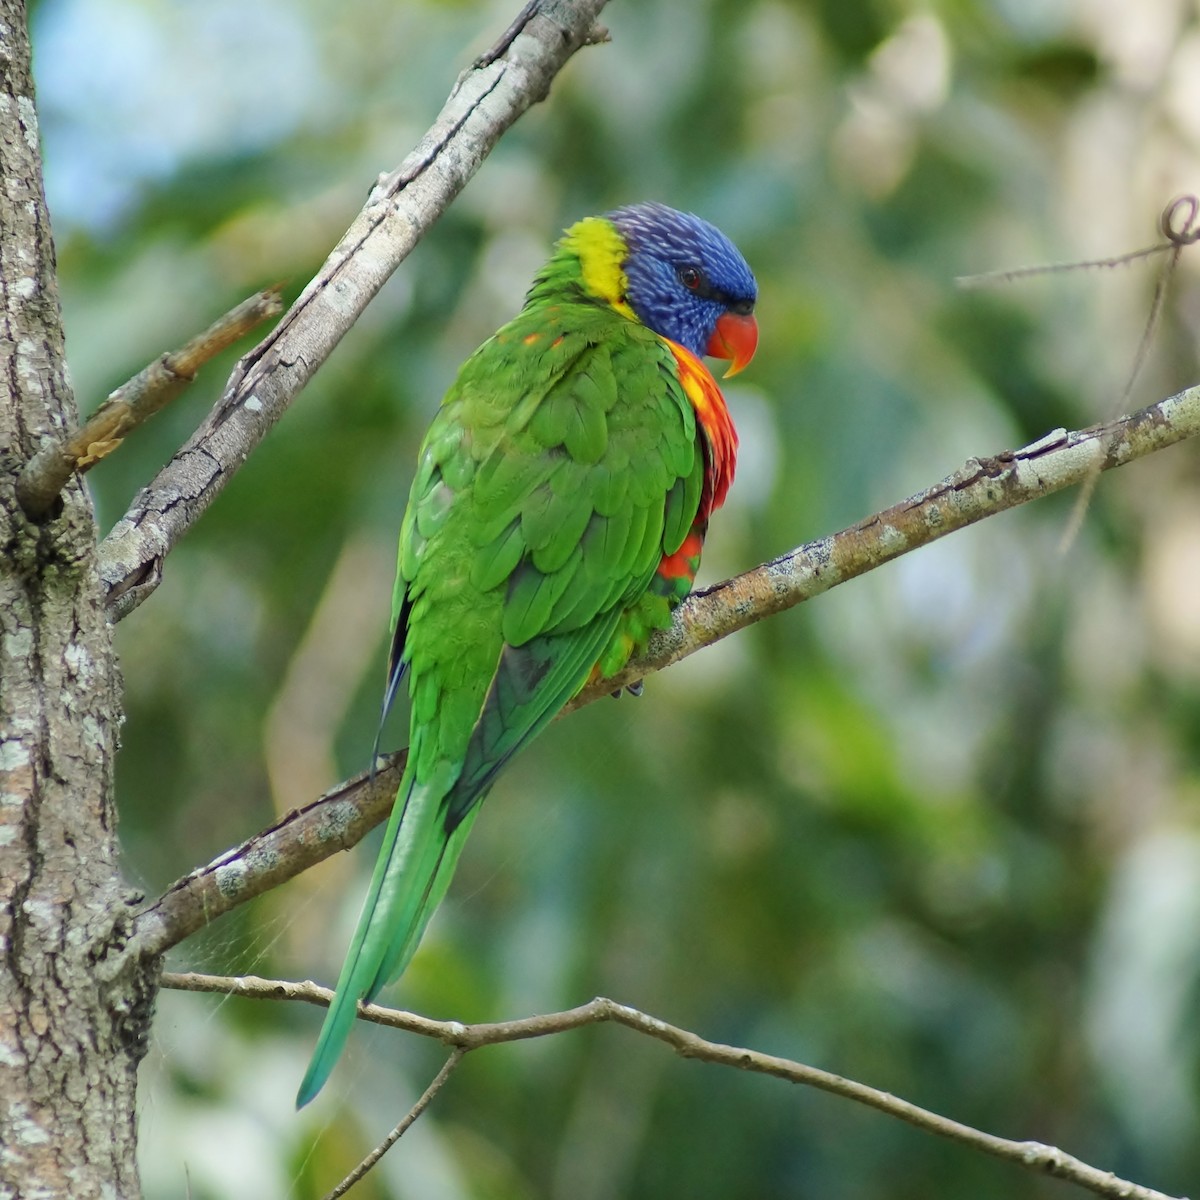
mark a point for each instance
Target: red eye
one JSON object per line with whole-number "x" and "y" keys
{"x": 689, "y": 277}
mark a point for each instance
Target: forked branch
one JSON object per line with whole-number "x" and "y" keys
{"x": 1033, "y": 1156}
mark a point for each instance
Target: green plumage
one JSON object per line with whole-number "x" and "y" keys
{"x": 563, "y": 464}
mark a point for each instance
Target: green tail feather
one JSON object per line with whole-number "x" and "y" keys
{"x": 412, "y": 873}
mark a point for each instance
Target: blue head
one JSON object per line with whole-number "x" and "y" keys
{"x": 687, "y": 281}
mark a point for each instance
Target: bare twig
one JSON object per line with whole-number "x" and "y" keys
{"x": 439, "y": 1080}
{"x": 979, "y": 489}
{"x": 134, "y": 403}
{"x": 1034, "y": 1156}
{"x": 401, "y": 209}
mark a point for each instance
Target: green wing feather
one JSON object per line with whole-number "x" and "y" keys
{"x": 562, "y": 466}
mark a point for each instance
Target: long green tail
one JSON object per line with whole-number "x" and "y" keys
{"x": 413, "y": 870}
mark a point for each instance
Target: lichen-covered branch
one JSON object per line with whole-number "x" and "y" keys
{"x": 133, "y": 403}
{"x": 1033, "y": 1156}
{"x": 979, "y": 489}
{"x": 335, "y": 821}
{"x": 404, "y": 204}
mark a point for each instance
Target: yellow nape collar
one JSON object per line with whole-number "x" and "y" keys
{"x": 601, "y": 250}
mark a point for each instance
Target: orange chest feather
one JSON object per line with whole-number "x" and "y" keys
{"x": 720, "y": 436}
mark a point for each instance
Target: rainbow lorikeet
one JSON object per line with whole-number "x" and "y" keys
{"x": 557, "y": 517}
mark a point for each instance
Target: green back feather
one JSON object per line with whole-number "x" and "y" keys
{"x": 563, "y": 464}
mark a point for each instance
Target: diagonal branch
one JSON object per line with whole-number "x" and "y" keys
{"x": 486, "y": 100}
{"x": 979, "y": 489}
{"x": 134, "y": 403}
{"x": 1034, "y": 1156}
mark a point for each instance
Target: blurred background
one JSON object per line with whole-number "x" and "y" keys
{"x": 938, "y": 830}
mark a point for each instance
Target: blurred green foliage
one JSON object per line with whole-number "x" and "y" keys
{"x": 936, "y": 831}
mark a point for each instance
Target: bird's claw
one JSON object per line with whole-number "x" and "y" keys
{"x": 635, "y": 689}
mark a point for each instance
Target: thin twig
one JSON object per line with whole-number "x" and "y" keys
{"x": 506, "y": 39}
{"x": 1034, "y": 1156}
{"x": 134, "y": 403}
{"x": 439, "y": 1080}
{"x": 979, "y": 489}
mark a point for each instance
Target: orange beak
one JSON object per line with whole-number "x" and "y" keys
{"x": 735, "y": 337}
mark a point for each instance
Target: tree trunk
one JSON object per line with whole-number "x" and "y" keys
{"x": 74, "y": 1003}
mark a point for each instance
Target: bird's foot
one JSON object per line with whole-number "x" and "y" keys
{"x": 635, "y": 689}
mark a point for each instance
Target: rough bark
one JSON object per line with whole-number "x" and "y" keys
{"x": 73, "y": 1007}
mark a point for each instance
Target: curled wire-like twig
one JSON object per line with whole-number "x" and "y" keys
{"x": 1179, "y": 236}
{"x": 1190, "y": 233}
{"x": 1175, "y": 238}
{"x": 1179, "y": 224}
